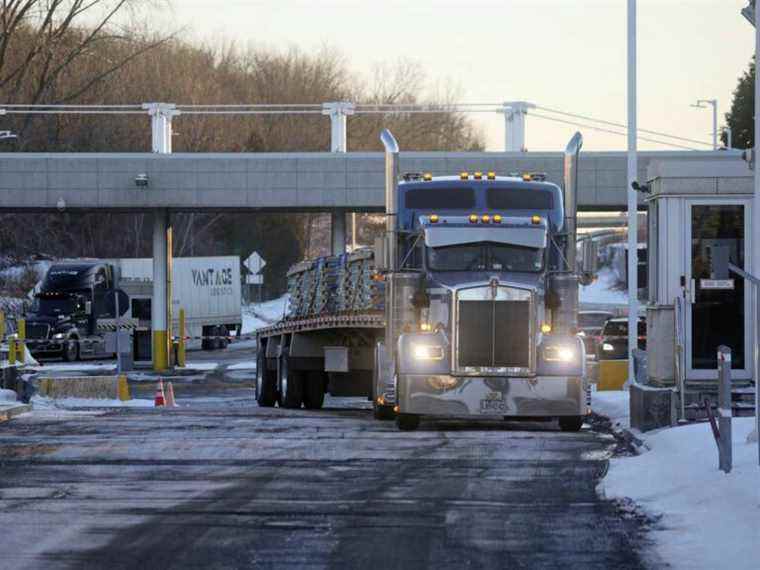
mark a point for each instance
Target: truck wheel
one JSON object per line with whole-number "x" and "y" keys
{"x": 314, "y": 390}
{"x": 71, "y": 350}
{"x": 291, "y": 385}
{"x": 224, "y": 342}
{"x": 571, "y": 423}
{"x": 266, "y": 382}
{"x": 383, "y": 412}
{"x": 407, "y": 422}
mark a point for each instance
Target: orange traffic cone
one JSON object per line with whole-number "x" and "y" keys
{"x": 170, "y": 401}
{"x": 160, "y": 400}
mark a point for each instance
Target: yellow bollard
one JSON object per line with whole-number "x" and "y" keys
{"x": 12, "y": 352}
{"x": 21, "y": 352}
{"x": 181, "y": 348}
{"x": 612, "y": 374}
{"x": 2, "y": 326}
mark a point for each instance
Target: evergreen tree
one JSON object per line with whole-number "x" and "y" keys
{"x": 741, "y": 117}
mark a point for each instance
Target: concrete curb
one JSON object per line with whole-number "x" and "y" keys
{"x": 9, "y": 412}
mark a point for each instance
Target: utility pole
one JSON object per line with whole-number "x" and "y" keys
{"x": 753, "y": 15}
{"x": 633, "y": 250}
{"x": 702, "y": 104}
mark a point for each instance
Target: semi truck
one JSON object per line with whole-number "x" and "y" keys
{"x": 470, "y": 305}
{"x": 75, "y": 304}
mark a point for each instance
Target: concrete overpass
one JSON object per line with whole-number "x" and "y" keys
{"x": 285, "y": 181}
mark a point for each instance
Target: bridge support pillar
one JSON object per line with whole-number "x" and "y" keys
{"x": 514, "y": 125}
{"x": 161, "y": 303}
{"x": 338, "y": 232}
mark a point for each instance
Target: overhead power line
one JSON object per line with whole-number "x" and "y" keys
{"x": 604, "y": 130}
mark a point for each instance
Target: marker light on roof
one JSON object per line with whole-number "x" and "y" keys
{"x": 527, "y": 177}
{"x": 492, "y": 176}
{"x": 536, "y": 219}
{"x": 478, "y": 175}
{"x": 434, "y": 219}
{"x": 427, "y": 177}
{"x": 486, "y": 218}
{"x": 464, "y": 175}
{"x": 473, "y": 218}
{"x": 496, "y": 218}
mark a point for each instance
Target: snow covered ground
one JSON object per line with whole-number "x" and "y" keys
{"x": 709, "y": 519}
{"x": 41, "y": 403}
{"x": 259, "y": 315}
{"x": 603, "y": 290}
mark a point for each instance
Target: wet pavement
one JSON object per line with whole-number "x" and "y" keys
{"x": 221, "y": 483}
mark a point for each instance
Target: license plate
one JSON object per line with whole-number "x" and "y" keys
{"x": 493, "y": 403}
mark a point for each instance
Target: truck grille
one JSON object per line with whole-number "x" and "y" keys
{"x": 494, "y": 334}
{"x": 37, "y": 331}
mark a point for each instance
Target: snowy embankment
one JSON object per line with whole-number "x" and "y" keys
{"x": 260, "y": 315}
{"x": 603, "y": 291}
{"x": 709, "y": 519}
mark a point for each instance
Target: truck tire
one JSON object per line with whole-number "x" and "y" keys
{"x": 314, "y": 390}
{"x": 291, "y": 384}
{"x": 71, "y": 350}
{"x": 266, "y": 382}
{"x": 407, "y": 422}
{"x": 383, "y": 413}
{"x": 571, "y": 423}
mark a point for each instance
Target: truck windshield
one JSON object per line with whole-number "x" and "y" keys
{"x": 485, "y": 257}
{"x": 47, "y": 306}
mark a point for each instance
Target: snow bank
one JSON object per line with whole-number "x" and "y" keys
{"x": 603, "y": 290}
{"x": 613, "y": 404}
{"x": 39, "y": 402}
{"x": 259, "y": 315}
{"x": 709, "y": 519}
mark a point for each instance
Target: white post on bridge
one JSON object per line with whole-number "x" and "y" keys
{"x": 161, "y": 115}
{"x": 339, "y": 112}
{"x": 514, "y": 125}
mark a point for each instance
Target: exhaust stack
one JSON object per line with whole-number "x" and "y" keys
{"x": 572, "y": 156}
{"x": 391, "y": 197}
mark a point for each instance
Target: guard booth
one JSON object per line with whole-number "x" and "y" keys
{"x": 693, "y": 207}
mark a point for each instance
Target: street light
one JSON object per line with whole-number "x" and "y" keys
{"x": 753, "y": 16}
{"x": 714, "y": 104}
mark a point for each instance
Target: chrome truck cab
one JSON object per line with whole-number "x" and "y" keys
{"x": 482, "y": 316}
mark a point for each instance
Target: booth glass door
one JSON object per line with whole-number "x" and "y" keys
{"x": 716, "y": 311}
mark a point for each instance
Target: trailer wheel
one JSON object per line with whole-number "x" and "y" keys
{"x": 571, "y": 423}
{"x": 407, "y": 422}
{"x": 291, "y": 384}
{"x": 314, "y": 390}
{"x": 71, "y": 350}
{"x": 382, "y": 412}
{"x": 266, "y": 382}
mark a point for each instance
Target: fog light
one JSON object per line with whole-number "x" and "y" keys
{"x": 560, "y": 353}
{"x": 607, "y": 347}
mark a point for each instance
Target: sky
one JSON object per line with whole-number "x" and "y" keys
{"x": 568, "y": 55}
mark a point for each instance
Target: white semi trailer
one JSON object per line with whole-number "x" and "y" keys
{"x": 74, "y": 305}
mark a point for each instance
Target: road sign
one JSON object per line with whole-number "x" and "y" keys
{"x": 251, "y": 279}
{"x": 254, "y": 263}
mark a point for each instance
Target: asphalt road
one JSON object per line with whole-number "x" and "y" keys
{"x": 220, "y": 483}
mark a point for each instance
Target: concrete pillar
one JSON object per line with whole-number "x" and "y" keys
{"x": 338, "y": 112}
{"x": 160, "y": 325}
{"x": 514, "y": 125}
{"x": 161, "y": 115}
{"x": 338, "y": 232}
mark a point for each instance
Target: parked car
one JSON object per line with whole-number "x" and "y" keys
{"x": 613, "y": 344}
{"x": 590, "y": 325}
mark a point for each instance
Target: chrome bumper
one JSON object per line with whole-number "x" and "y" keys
{"x": 445, "y": 395}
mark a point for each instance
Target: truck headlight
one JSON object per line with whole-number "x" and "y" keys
{"x": 427, "y": 352}
{"x": 59, "y": 336}
{"x": 560, "y": 353}
{"x": 607, "y": 347}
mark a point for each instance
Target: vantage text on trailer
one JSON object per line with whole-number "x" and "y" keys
{"x": 472, "y": 310}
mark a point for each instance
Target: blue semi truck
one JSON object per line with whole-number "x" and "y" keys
{"x": 472, "y": 313}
